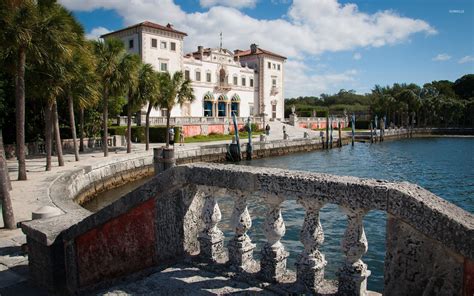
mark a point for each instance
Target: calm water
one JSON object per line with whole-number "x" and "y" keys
{"x": 444, "y": 166}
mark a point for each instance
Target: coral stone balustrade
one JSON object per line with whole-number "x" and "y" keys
{"x": 430, "y": 242}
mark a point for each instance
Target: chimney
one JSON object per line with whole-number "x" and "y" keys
{"x": 200, "y": 51}
{"x": 253, "y": 48}
{"x": 170, "y": 26}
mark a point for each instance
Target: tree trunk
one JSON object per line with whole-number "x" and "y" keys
{"x": 73, "y": 125}
{"x": 81, "y": 141}
{"x": 168, "y": 128}
{"x": 2, "y": 154}
{"x": 129, "y": 129}
{"x": 48, "y": 134}
{"x": 57, "y": 135}
{"x": 7, "y": 209}
{"x": 20, "y": 112}
{"x": 147, "y": 128}
{"x": 105, "y": 118}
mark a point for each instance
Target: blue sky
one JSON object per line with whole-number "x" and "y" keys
{"x": 330, "y": 44}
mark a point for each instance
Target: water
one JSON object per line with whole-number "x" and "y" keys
{"x": 445, "y": 166}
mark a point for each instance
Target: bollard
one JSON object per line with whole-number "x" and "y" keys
{"x": 168, "y": 158}
{"x": 263, "y": 138}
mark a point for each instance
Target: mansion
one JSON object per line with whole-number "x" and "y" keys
{"x": 245, "y": 82}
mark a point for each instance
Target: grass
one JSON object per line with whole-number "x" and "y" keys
{"x": 217, "y": 137}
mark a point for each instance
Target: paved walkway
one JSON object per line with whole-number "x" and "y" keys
{"x": 29, "y": 195}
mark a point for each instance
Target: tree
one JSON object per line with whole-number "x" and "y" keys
{"x": 174, "y": 90}
{"x": 109, "y": 55}
{"x": 464, "y": 87}
{"x": 131, "y": 64}
{"x": 149, "y": 91}
{"x": 5, "y": 187}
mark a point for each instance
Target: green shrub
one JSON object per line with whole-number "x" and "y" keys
{"x": 157, "y": 133}
{"x": 117, "y": 130}
{"x": 362, "y": 124}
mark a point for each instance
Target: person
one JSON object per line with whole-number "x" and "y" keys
{"x": 284, "y": 131}
{"x": 171, "y": 134}
{"x": 267, "y": 130}
{"x": 181, "y": 137}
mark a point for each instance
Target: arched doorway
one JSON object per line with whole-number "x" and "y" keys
{"x": 222, "y": 102}
{"x": 208, "y": 105}
{"x": 235, "y": 104}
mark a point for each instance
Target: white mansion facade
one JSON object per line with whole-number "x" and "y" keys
{"x": 247, "y": 82}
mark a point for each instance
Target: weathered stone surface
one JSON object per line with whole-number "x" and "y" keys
{"x": 418, "y": 265}
{"x": 211, "y": 239}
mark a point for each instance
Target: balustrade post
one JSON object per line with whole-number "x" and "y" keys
{"x": 211, "y": 239}
{"x": 273, "y": 262}
{"x": 354, "y": 273}
{"x": 241, "y": 246}
{"x": 310, "y": 264}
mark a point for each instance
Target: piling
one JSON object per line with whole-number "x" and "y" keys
{"x": 371, "y": 133}
{"x": 340, "y": 134}
{"x": 163, "y": 159}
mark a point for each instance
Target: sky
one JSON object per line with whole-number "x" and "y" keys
{"x": 330, "y": 44}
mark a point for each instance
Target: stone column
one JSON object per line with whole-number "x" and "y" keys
{"x": 241, "y": 246}
{"x": 273, "y": 262}
{"x": 211, "y": 239}
{"x": 310, "y": 264}
{"x": 354, "y": 273}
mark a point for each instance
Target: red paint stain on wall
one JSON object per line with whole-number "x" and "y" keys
{"x": 215, "y": 128}
{"x": 122, "y": 245}
{"x": 191, "y": 130}
{"x": 239, "y": 126}
{"x": 468, "y": 277}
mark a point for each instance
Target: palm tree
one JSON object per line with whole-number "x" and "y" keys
{"x": 130, "y": 69}
{"x": 5, "y": 187}
{"x": 149, "y": 90}
{"x": 82, "y": 89}
{"x": 174, "y": 90}
{"x": 19, "y": 22}
{"x": 111, "y": 69}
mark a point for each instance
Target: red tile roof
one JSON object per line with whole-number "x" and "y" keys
{"x": 242, "y": 53}
{"x": 168, "y": 28}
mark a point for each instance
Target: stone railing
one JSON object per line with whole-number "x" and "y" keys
{"x": 430, "y": 242}
{"x": 198, "y": 120}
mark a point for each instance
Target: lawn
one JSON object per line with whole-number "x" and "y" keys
{"x": 217, "y": 137}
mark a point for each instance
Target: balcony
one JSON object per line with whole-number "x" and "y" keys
{"x": 274, "y": 90}
{"x": 223, "y": 87}
{"x": 174, "y": 220}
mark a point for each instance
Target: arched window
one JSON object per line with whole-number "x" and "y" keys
{"x": 222, "y": 76}
{"x": 208, "y": 102}
{"x": 234, "y": 106}
{"x": 222, "y": 106}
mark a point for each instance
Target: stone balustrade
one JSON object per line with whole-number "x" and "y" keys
{"x": 176, "y": 215}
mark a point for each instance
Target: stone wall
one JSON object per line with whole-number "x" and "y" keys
{"x": 430, "y": 242}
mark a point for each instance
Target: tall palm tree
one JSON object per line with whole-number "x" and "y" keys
{"x": 18, "y": 22}
{"x": 174, "y": 90}
{"x": 109, "y": 55}
{"x": 149, "y": 91}
{"x": 130, "y": 66}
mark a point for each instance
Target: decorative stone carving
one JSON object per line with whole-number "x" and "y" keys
{"x": 273, "y": 262}
{"x": 310, "y": 264}
{"x": 211, "y": 239}
{"x": 354, "y": 273}
{"x": 241, "y": 246}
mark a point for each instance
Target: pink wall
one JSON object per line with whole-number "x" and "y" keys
{"x": 191, "y": 130}
{"x": 215, "y": 128}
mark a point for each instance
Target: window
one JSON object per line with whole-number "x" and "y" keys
{"x": 164, "y": 112}
{"x": 251, "y": 82}
{"x": 208, "y": 77}
{"x": 198, "y": 75}
{"x": 274, "y": 82}
{"x": 243, "y": 81}
{"x": 163, "y": 44}
{"x": 222, "y": 76}
{"x": 251, "y": 109}
{"x": 154, "y": 43}
{"x": 278, "y": 67}
{"x": 236, "y": 79}
{"x": 269, "y": 65}
{"x": 173, "y": 46}
{"x": 164, "y": 67}
{"x": 130, "y": 43}
{"x": 274, "y": 66}
{"x": 187, "y": 75}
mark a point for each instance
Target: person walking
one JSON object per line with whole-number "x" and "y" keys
{"x": 181, "y": 137}
{"x": 267, "y": 130}
{"x": 171, "y": 134}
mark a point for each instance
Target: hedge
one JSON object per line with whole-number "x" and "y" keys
{"x": 157, "y": 133}
{"x": 362, "y": 124}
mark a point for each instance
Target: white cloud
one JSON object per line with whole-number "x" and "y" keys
{"x": 229, "y": 3}
{"x": 97, "y": 32}
{"x": 309, "y": 28}
{"x": 441, "y": 57}
{"x": 466, "y": 59}
{"x": 357, "y": 56}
